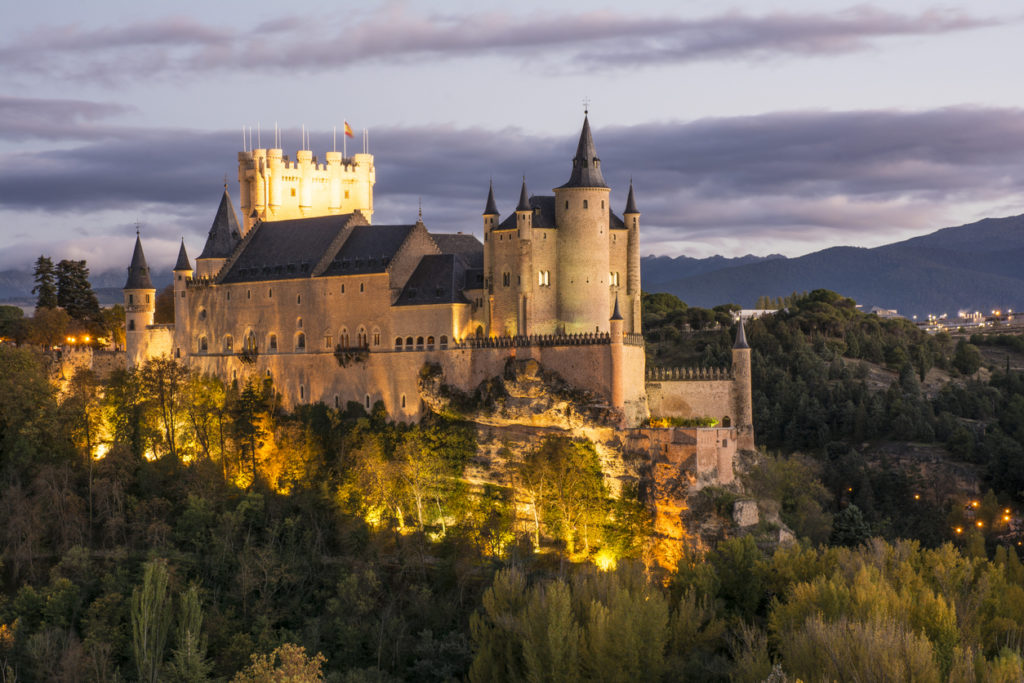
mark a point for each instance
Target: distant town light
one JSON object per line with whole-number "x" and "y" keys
{"x": 959, "y": 529}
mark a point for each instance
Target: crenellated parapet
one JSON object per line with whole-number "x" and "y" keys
{"x": 522, "y": 340}
{"x": 689, "y": 374}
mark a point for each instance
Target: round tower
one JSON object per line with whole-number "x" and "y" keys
{"x": 741, "y": 390}
{"x": 581, "y": 213}
{"x": 631, "y": 217}
{"x": 524, "y": 264}
{"x": 490, "y": 224}
{"x": 139, "y": 304}
{"x": 182, "y": 274}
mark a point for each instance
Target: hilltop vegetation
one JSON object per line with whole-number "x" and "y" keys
{"x": 219, "y": 538}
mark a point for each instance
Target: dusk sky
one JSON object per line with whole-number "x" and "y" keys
{"x": 758, "y": 126}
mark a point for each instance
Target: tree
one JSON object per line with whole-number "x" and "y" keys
{"x": 966, "y": 357}
{"x": 151, "y": 620}
{"x": 248, "y": 422}
{"x": 164, "y": 305}
{"x": 849, "y": 527}
{"x": 46, "y": 285}
{"x": 74, "y": 293}
{"x": 288, "y": 663}
{"x": 12, "y": 323}
{"x": 113, "y": 324}
{"x": 188, "y": 660}
{"x": 48, "y": 327}
{"x": 163, "y": 382}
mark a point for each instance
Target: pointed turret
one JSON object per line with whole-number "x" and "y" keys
{"x": 741, "y": 337}
{"x": 183, "y": 262}
{"x": 616, "y": 315}
{"x": 630, "y": 201}
{"x": 138, "y": 272}
{"x": 524, "y": 198}
{"x": 586, "y": 166}
{"x": 224, "y": 234}
{"x": 492, "y": 207}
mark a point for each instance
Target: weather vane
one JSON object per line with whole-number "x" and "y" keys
{"x": 586, "y": 106}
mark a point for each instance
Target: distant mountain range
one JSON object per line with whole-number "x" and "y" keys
{"x": 979, "y": 266}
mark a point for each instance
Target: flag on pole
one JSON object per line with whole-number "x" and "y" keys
{"x": 348, "y": 130}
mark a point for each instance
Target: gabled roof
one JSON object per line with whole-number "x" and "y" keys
{"x": 224, "y": 234}
{"x": 586, "y": 166}
{"x": 182, "y": 263}
{"x": 543, "y": 214}
{"x": 438, "y": 279}
{"x": 281, "y": 250}
{"x": 466, "y": 247}
{"x": 369, "y": 249}
{"x": 138, "y": 271}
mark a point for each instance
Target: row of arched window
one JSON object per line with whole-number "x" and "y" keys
{"x": 420, "y": 343}
{"x": 362, "y": 340}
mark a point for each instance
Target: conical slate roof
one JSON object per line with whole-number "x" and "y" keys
{"x": 492, "y": 207}
{"x": 183, "y": 263}
{"x": 524, "y": 199}
{"x": 630, "y": 201}
{"x": 616, "y": 315}
{"x": 138, "y": 272}
{"x": 741, "y": 337}
{"x": 586, "y": 167}
{"x": 224, "y": 233}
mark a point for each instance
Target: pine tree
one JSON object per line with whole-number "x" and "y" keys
{"x": 46, "y": 287}
{"x": 74, "y": 293}
{"x": 151, "y": 620}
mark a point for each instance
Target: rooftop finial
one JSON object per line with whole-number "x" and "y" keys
{"x": 421, "y": 209}
{"x": 225, "y": 181}
{"x": 586, "y": 106}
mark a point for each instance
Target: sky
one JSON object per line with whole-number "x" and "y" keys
{"x": 757, "y": 126}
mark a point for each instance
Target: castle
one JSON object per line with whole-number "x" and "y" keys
{"x": 308, "y": 292}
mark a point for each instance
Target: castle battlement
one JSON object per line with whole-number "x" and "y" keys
{"x": 689, "y": 374}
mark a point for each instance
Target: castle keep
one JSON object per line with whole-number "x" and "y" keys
{"x": 307, "y": 291}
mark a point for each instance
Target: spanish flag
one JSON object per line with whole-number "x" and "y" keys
{"x": 348, "y": 130}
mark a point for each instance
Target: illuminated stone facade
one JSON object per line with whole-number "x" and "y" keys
{"x": 307, "y": 292}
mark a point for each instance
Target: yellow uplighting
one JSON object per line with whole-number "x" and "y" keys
{"x": 605, "y": 560}
{"x": 85, "y": 338}
{"x": 980, "y": 523}
{"x": 974, "y": 503}
{"x": 959, "y": 529}
{"x": 100, "y": 451}
{"x": 917, "y": 496}
{"x": 1006, "y": 518}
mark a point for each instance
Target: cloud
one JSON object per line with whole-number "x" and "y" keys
{"x": 394, "y": 34}
{"x": 788, "y": 181}
{"x": 23, "y": 118}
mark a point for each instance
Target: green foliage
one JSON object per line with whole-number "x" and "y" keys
{"x": 966, "y": 357}
{"x": 46, "y": 284}
{"x": 151, "y": 620}
{"x": 74, "y": 293}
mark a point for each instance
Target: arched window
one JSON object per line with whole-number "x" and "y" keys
{"x": 343, "y": 339}
{"x": 367, "y": 401}
{"x": 298, "y": 323}
{"x": 203, "y": 345}
{"x": 444, "y": 341}
{"x": 131, "y": 325}
{"x": 270, "y": 293}
{"x": 229, "y": 343}
{"x": 419, "y": 343}
{"x": 250, "y": 342}
{"x": 300, "y": 342}
{"x": 376, "y": 337}
{"x": 479, "y": 332}
{"x": 726, "y": 421}
{"x": 403, "y": 400}
{"x": 337, "y": 401}
{"x": 398, "y": 343}
{"x": 363, "y": 341}
{"x": 302, "y": 392}
{"x": 408, "y": 343}
{"x": 273, "y": 342}
{"x": 298, "y": 298}
{"x": 131, "y": 299}
{"x": 202, "y": 314}
{"x": 430, "y": 343}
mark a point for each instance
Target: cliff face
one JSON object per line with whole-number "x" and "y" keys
{"x": 513, "y": 413}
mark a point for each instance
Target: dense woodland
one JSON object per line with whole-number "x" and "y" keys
{"x": 161, "y": 525}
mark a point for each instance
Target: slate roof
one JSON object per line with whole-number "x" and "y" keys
{"x": 281, "y": 250}
{"x": 224, "y": 234}
{"x": 369, "y": 249}
{"x": 138, "y": 271}
{"x": 741, "y": 337}
{"x": 586, "y": 166}
{"x": 492, "y": 207}
{"x": 438, "y": 279}
{"x": 466, "y": 247}
{"x": 630, "y": 201}
{"x": 182, "y": 263}
{"x": 524, "y": 199}
{"x": 543, "y": 214}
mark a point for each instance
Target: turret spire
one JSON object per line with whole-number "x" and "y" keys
{"x": 183, "y": 263}
{"x": 616, "y": 315}
{"x": 741, "y": 336}
{"x": 586, "y": 166}
{"x": 524, "y": 198}
{"x": 224, "y": 233}
{"x": 630, "y": 200}
{"x": 492, "y": 207}
{"x": 138, "y": 272}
